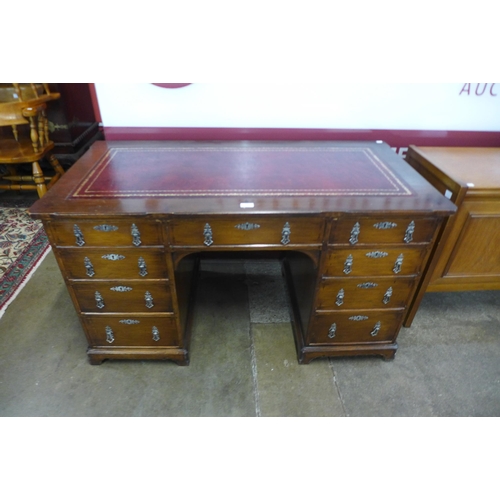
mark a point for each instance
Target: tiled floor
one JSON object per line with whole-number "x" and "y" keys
{"x": 243, "y": 360}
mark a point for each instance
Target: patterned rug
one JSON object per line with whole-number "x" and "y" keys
{"x": 23, "y": 245}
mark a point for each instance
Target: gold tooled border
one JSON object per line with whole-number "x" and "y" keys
{"x": 84, "y": 189}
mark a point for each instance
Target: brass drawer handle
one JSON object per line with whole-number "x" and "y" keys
{"x": 78, "y": 235}
{"x": 156, "y": 334}
{"x": 355, "y": 234}
{"x": 348, "y": 265}
{"x": 99, "y": 301}
{"x": 340, "y": 297}
{"x": 332, "y": 331}
{"x": 110, "y": 337}
{"x": 409, "y": 232}
{"x": 285, "y": 234}
{"x": 387, "y": 295}
{"x": 398, "y": 264}
{"x": 136, "y": 236}
{"x": 207, "y": 233}
{"x": 376, "y": 329}
{"x": 89, "y": 267}
{"x": 143, "y": 270}
{"x": 149, "y": 300}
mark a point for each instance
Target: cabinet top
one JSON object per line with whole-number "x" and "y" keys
{"x": 239, "y": 177}
{"x": 478, "y": 168}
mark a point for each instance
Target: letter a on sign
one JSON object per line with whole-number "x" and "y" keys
{"x": 466, "y": 89}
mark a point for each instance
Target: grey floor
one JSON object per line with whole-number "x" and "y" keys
{"x": 243, "y": 360}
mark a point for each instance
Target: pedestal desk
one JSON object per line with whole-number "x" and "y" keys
{"x": 468, "y": 257}
{"x": 354, "y": 223}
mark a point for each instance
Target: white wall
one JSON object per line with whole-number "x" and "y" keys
{"x": 433, "y": 106}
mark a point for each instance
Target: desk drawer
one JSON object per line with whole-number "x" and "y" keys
{"x": 114, "y": 263}
{"x": 130, "y": 330}
{"x": 352, "y": 231}
{"x": 355, "y": 327}
{"x": 392, "y": 261}
{"x": 106, "y": 232}
{"x": 376, "y": 293}
{"x": 208, "y": 232}
{"x": 123, "y": 296}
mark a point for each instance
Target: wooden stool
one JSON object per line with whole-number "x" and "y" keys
{"x": 27, "y": 138}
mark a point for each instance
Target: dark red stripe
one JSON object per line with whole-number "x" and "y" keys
{"x": 395, "y": 138}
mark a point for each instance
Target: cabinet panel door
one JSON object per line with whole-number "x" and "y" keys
{"x": 477, "y": 251}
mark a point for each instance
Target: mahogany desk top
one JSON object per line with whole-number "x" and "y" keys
{"x": 217, "y": 177}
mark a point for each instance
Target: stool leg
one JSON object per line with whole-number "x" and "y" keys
{"x": 39, "y": 179}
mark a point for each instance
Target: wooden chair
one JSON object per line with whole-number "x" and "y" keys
{"x": 24, "y": 136}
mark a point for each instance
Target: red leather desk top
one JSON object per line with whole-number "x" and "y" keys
{"x": 217, "y": 177}
{"x": 213, "y": 170}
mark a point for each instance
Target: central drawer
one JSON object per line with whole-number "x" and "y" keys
{"x": 123, "y": 296}
{"x": 393, "y": 230}
{"x": 378, "y": 261}
{"x": 269, "y": 231}
{"x": 107, "y": 232}
{"x": 130, "y": 330}
{"x": 114, "y": 263}
{"x": 351, "y": 293}
{"x": 355, "y": 327}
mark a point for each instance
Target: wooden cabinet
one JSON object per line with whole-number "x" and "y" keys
{"x": 354, "y": 246}
{"x": 468, "y": 256}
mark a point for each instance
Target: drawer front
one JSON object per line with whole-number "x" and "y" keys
{"x": 338, "y": 294}
{"x": 123, "y": 331}
{"x": 209, "y": 232}
{"x": 388, "y": 261}
{"x": 123, "y": 296}
{"x": 107, "y": 232}
{"x": 114, "y": 263}
{"x": 355, "y": 327}
{"x": 352, "y": 231}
